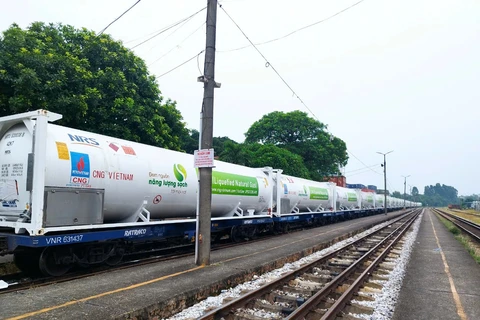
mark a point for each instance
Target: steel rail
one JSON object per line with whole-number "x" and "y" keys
{"x": 340, "y": 304}
{"x": 465, "y": 225}
{"x": 314, "y": 300}
{"x": 244, "y": 299}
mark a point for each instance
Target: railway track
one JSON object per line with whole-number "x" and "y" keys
{"x": 322, "y": 289}
{"x": 465, "y": 225}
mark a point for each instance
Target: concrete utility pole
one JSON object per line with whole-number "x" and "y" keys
{"x": 202, "y": 240}
{"x": 405, "y": 191}
{"x": 385, "y": 178}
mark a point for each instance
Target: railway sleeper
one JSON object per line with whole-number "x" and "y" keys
{"x": 356, "y": 308}
{"x": 289, "y": 300}
{"x": 282, "y": 308}
{"x": 249, "y": 314}
{"x": 298, "y": 290}
{"x": 317, "y": 278}
{"x": 364, "y": 296}
{"x": 374, "y": 285}
{"x": 309, "y": 285}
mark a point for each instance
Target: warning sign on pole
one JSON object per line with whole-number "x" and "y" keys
{"x": 203, "y": 158}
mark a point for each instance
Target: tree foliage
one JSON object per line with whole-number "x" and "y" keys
{"x": 440, "y": 195}
{"x": 257, "y": 155}
{"x": 190, "y": 143}
{"x": 397, "y": 194}
{"x": 414, "y": 191}
{"x": 95, "y": 82}
{"x": 322, "y": 153}
{"x": 435, "y": 195}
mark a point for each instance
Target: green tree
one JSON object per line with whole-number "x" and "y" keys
{"x": 440, "y": 195}
{"x": 190, "y": 143}
{"x": 397, "y": 194}
{"x": 257, "y": 155}
{"x": 414, "y": 191}
{"x": 95, "y": 82}
{"x": 296, "y": 132}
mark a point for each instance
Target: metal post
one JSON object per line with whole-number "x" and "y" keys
{"x": 385, "y": 178}
{"x": 202, "y": 240}
{"x": 405, "y": 191}
{"x": 385, "y": 183}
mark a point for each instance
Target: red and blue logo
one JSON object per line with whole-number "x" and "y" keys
{"x": 80, "y": 168}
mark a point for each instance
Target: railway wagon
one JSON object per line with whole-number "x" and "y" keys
{"x": 75, "y": 197}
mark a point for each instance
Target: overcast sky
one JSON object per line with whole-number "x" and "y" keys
{"x": 383, "y": 75}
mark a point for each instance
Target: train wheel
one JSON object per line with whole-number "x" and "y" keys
{"x": 236, "y": 234}
{"x": 27, "y": 261}
{"x": 116, "y": 258}
{"x": 55, "y": 261}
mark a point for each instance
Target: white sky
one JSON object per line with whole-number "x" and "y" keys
{"x": 384, "y": 75}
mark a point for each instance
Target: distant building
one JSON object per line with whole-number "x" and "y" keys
{"x": 340, "y": 181}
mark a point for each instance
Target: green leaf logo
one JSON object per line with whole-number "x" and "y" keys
{"x": 180, "y": 172}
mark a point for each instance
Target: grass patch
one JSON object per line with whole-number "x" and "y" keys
{"x": 472, "y": 246}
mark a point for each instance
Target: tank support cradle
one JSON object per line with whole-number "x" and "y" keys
{"x": 141, "y": 210}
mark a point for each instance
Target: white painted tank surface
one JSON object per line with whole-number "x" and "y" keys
{"x": 346, "y": 198}
{"x": 306, "y": 195}
{"x": 389, "y": 202}
{"x": 379, "y": 200}
{"x": 367, "y": 199}
{"x": 129, "y": 172}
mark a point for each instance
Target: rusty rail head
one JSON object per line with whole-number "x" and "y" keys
{"x": 305, "y": 308}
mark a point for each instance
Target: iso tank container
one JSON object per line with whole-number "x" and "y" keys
{"x": 130, "y": 174}
{"x": 367, "y": 199}
{"x": 390, "y": 202}
{"x": 303, "y": 195}
{"x": 379, "y": 200}
{"x": 347, "y": 198}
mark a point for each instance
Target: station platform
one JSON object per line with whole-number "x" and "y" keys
{"x": 442, "y": 280}
{"x": 154, "y": 291}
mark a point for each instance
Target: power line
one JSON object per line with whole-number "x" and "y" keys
{"x": 176, "y": 46}
{"x": 103, "y": 30}
{"x": 180, "y": 64}
{"x": 168, "y": 28}
{"x": 296, "y": 30}
{"x": 268, "y": 64}
{"x": 373, "y": 165}
{"x": 361, "y": 161}
{"x": 154, "y": 32}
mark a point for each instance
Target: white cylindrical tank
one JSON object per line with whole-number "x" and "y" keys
{"x": 389, "y": 202}
{"x": 129, "y": 173}
{"x": 346, "y": 198}
{"x": 367, "y": 199}
{"x": 379, "y": 200}
{"x": 306, "y": 195}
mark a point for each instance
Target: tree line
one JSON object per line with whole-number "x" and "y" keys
{"x": 100, "y": 86}
{"x": 438, "y": 195}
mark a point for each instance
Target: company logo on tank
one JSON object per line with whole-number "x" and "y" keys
{"x": 80, "y": 168}
{"x": 351, "y": 197}
{"x": 179, "y": 172}
{"x": 318, "y": 193}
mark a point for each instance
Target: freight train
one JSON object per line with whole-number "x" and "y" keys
{"x": 71, "y": 197}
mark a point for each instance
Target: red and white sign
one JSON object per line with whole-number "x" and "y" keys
{"x": 203, "y": 158}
